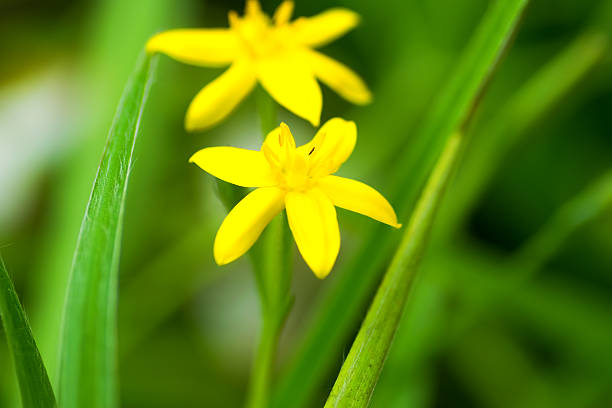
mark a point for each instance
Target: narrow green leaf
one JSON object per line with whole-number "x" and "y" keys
{"x": 338, "y": 313}
{"x": 575, "y": 213}
{"x": 88, "y": 361}
{"x": 359, "y": 374}
{"x": 34, "y": 383}
{"x": 100, "y": 72}
{"x": 532, "y": 101}
{"x": 543, "y": 91}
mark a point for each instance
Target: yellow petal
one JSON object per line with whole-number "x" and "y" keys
{"x": 358, "y": 197}
{"x": 331, "y": 146}
{"x": 206, "y": 47}
{"x": 279, "y": 146}
{"x": 242, "y": 167}
{"x": 313, "y": 222}
{"x": 283, "y": 12}
{"x": 323, "y": 28}
{"x": 217, "y": 100}
{"x": 340, "y": 78}
{"x": 289, "y": 80}
{"x": 244, "y": 224}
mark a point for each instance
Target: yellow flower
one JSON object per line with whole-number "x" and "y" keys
{"x": 276, "y": 52}
{"x": 296, "y": 178}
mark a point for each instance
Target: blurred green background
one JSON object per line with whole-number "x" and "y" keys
{"x": 513, "y": 306}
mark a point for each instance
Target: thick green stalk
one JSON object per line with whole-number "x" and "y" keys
{"x": 361, "y": 369}
{"x": 263, "y": 366}
{"x": 34, "y": 383}
{"x": 272, "y": 266}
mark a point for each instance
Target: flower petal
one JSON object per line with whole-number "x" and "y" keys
{"x": 279, "y": 145}
{"x": 205, "y": 47}
{"x": 339, "y": 77}
{"x": 323, "y": 28}
{"x": 289, "y": 81}
{"x": 283, "y": 12}
{"x": 217, "y": 100}
{"x": 244, "y": 224}
{"x": 356, "y": 196}
{"x": 242, "y": 167}
{"x": 313, "y": 222}
{"x": 331, "y": 146}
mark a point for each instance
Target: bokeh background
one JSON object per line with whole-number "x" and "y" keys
{"x": 513, "y": 306}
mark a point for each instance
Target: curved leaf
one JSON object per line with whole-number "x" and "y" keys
{"x": 88, "y": 361}
{"x": 34, "y": 382}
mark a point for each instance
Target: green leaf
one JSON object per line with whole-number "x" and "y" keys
{"x": 88, "y": 361}
{"x": 359, "y": 374}
{"x": 532, "y": 101}
{"x": 100, "y": 72}
{"x": 575, "y": 213}
{"x": 543, "y": 91}
{"x": 34, "y": 383}
{"x": 339, "y": 311}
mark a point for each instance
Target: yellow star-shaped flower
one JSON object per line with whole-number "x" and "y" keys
{"x": 300, "y": 180}
{"x": 276, "y": 52}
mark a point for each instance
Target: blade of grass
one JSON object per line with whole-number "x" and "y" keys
{"x": 338, "y": 312}
{"x": 34, "y": 384}
{"x": 530, "y": 258}
{"x": 533, "y": 100}
{"x": 572, "y": 316}
{"x": 583, "y": 208}
{"x": 361, "y": 369}
{"x": 542, "y": 246}
{"x": 88, "y": 360}
{"x": 100, "y": 76}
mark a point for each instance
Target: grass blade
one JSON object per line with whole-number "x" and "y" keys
{"x": 540, "y": 94}
{"x": 34, "y": 383}
{"x": 99, "y": 76}
{"x": 575, "y": 213}
{"x": 532, "y": 101}
{"x": 88, "y": 361}
{"x": 359, "y": 374}
{"x": 338, "y": 313}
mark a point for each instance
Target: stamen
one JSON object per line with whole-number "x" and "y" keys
{"x": 272, "y": 158}
{"x": 252, "y": 7}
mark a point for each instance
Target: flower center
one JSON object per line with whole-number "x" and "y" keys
{"x": 292, "y": 167}
{"x": 260, "y": 38}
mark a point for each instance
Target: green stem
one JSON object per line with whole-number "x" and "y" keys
{"x": 272, "y": 265}
{"x": 259, "y": 388}
{"x": 360, "y": 371}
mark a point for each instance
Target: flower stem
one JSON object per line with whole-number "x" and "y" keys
{"x": 272, "y": 256}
